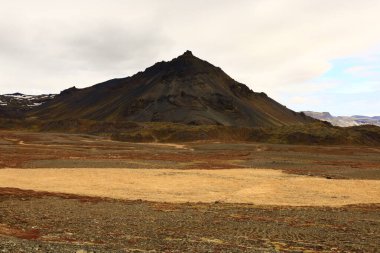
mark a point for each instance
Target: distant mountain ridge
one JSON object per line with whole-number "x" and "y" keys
{"x": 345, "y": 121}
{"x": 185, "y": 90}
{"x": 17, "y": 104}
{"x": 24, "y": 101}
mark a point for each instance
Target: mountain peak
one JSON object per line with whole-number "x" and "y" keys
{"x": 188, "y": 56}
{"x": 187, "y": 53}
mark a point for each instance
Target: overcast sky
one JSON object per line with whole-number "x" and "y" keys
{"x": 321, "y": 55}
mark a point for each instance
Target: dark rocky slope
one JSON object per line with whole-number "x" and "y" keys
{"x": 184, "y": 90}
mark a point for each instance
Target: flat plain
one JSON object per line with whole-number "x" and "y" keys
{"x": 67, "y": 192}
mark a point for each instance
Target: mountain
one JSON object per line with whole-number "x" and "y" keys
{"x": 185, "y": 99}
{"x": 345, "y": 121}
{"x": 184, "y": 90}
{"x": 16, "y": 104}
{"x": 23, "y": 101}
{"x": 365, "y": 120}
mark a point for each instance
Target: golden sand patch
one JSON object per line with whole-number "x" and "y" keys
{"x": 257, "y": 186}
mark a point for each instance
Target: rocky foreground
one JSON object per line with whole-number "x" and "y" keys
{"x": 43, "y": 222}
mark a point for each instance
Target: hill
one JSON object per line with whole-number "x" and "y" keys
{"x": 15, "y": 105}
{"x": 185, "y": 90}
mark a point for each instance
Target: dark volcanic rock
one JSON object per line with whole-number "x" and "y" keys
{"x": 184, "y": 90}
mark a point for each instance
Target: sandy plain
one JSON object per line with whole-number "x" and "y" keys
{"x": 256, "y": 186}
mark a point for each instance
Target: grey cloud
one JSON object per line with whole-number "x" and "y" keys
{"x": 111, "y": 47}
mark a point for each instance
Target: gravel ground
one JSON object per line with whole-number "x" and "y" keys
{"x": 46, "y": 222}
{"x": 51, "y": 222}
{"x": 53, "y": 150}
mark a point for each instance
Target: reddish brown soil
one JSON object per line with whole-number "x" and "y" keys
{"x": 50, "y": 150}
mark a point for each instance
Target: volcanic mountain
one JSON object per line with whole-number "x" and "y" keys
{"x": 184, "y": 90}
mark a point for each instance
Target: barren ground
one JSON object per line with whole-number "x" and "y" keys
{"x": 256, "y": 186}
{"x": 63, "y": 193}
